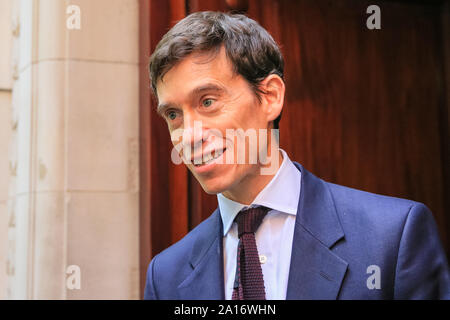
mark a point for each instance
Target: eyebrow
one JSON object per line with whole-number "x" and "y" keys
{"x": 196, "y": 91}
{"x": 207, "y": 87}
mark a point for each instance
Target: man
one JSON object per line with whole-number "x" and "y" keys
{"x": 279, "y": 232}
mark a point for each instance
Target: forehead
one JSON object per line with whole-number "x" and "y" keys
{"x": 195, "y": 70}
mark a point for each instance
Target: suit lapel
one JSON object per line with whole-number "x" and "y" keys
{"x": 206, "y": 280}
{"x": 315, "y": 271}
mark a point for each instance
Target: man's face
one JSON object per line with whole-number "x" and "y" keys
{"x": 204, "y": 88}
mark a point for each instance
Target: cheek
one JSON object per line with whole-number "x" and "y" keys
{"x": 241, "y": 108}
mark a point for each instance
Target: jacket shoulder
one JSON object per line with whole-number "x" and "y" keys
{"x": 375, "y": 208}
{"x": 172, "y": 265}
{"x": 183, "y": 248}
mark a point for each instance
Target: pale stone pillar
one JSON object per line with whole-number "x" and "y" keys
{"x": 5, "y": 134}
{"x": 74, "y": 193}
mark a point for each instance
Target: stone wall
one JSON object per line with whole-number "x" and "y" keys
{"x": 71, "y": 196}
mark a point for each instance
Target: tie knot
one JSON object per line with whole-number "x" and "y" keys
{"x": 250, "y": 219}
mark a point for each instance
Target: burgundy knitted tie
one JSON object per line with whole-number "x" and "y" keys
{"x": 249, "y": 281}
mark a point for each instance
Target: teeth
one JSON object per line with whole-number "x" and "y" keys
{"x": 209, "y": 158}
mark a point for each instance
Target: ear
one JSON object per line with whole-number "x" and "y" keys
{"x": 273, "y": 97}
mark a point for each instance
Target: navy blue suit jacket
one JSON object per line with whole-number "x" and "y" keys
{"x": 339, "y": 233}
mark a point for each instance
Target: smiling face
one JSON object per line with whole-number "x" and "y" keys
{"x": 204, "y": 88}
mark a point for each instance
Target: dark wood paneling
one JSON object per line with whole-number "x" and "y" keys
{"x": 363, "y": 107}
{"x": 145, "y": 243}
{"x": 444, "y": 117}
{"x": 207, "y": 5}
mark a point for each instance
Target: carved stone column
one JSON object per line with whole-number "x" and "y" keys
{"x": 6, "y": 128}
{"x": 74, "y": 163}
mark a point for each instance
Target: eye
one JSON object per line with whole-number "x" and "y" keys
{"x": 207, "y": 102}
{"x": 171, "y": 115}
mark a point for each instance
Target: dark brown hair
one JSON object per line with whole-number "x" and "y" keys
{"x": 250, "y": 48}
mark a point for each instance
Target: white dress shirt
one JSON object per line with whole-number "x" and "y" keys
{"x": 274, "y": 236}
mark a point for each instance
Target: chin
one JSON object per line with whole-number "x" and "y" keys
{"x": 214, "y": 187}
{"x": 219, "y": 182}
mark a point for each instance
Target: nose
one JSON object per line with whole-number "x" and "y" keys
{"x": 193, "y": 132}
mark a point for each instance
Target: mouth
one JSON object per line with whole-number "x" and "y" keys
{"x": 207, "y": 159}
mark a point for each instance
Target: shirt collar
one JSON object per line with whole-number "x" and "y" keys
{"x": 281, "y": 193}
